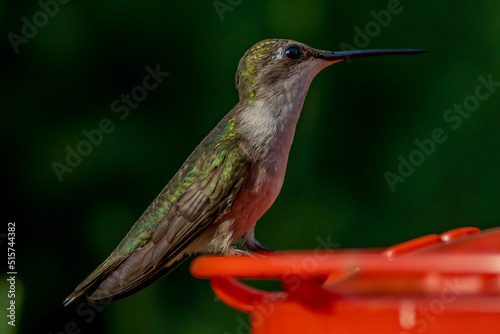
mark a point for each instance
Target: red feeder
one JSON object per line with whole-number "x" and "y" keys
{"x": 446, "y": 284}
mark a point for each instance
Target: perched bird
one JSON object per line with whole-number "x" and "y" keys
{"x": 231, "y": 178}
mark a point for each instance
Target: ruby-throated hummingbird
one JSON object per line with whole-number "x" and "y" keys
{"x": 231, "y": 178}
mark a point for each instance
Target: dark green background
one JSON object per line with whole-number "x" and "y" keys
{"x": 357, "y": 119}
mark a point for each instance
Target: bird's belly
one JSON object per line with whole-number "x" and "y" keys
{"x": 257, "y": 196}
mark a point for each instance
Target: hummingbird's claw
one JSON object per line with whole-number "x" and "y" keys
{"x": 243, "y": 252}
{"x": 257, "y": 247}
{"x": 238, "y": 252}
{"x": 251, "y": 254}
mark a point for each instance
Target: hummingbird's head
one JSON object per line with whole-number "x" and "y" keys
{"x": 274, "y": 65}
{"x": 284, "y": 68}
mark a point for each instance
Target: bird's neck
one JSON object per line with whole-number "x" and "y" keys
{"x": 267, "y": 126}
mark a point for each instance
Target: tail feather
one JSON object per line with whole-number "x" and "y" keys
{"x": 120, "y": 280}
{"x": 122, "y": 283}
{"x": 94, "y": 279}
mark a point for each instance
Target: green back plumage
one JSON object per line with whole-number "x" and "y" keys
{"x": 200, "y": 193}
{"x": 220, "y": 145}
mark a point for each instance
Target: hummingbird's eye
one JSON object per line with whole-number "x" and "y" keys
{"x": 293, "y": 53}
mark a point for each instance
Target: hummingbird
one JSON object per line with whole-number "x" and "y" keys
{"x": 231, "y": 178}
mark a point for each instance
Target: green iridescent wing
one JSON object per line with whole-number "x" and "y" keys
{"x": 201, "y": 192}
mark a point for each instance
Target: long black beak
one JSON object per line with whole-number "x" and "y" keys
{"x": 355, "y": 54}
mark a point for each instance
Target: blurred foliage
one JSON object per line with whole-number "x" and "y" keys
{"x": 357, "y": 120}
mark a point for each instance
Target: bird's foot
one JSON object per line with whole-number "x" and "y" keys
{"x": 257, "y": 247}
{"x": 243, "y": 252}
{"x": 238, "y": 252}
